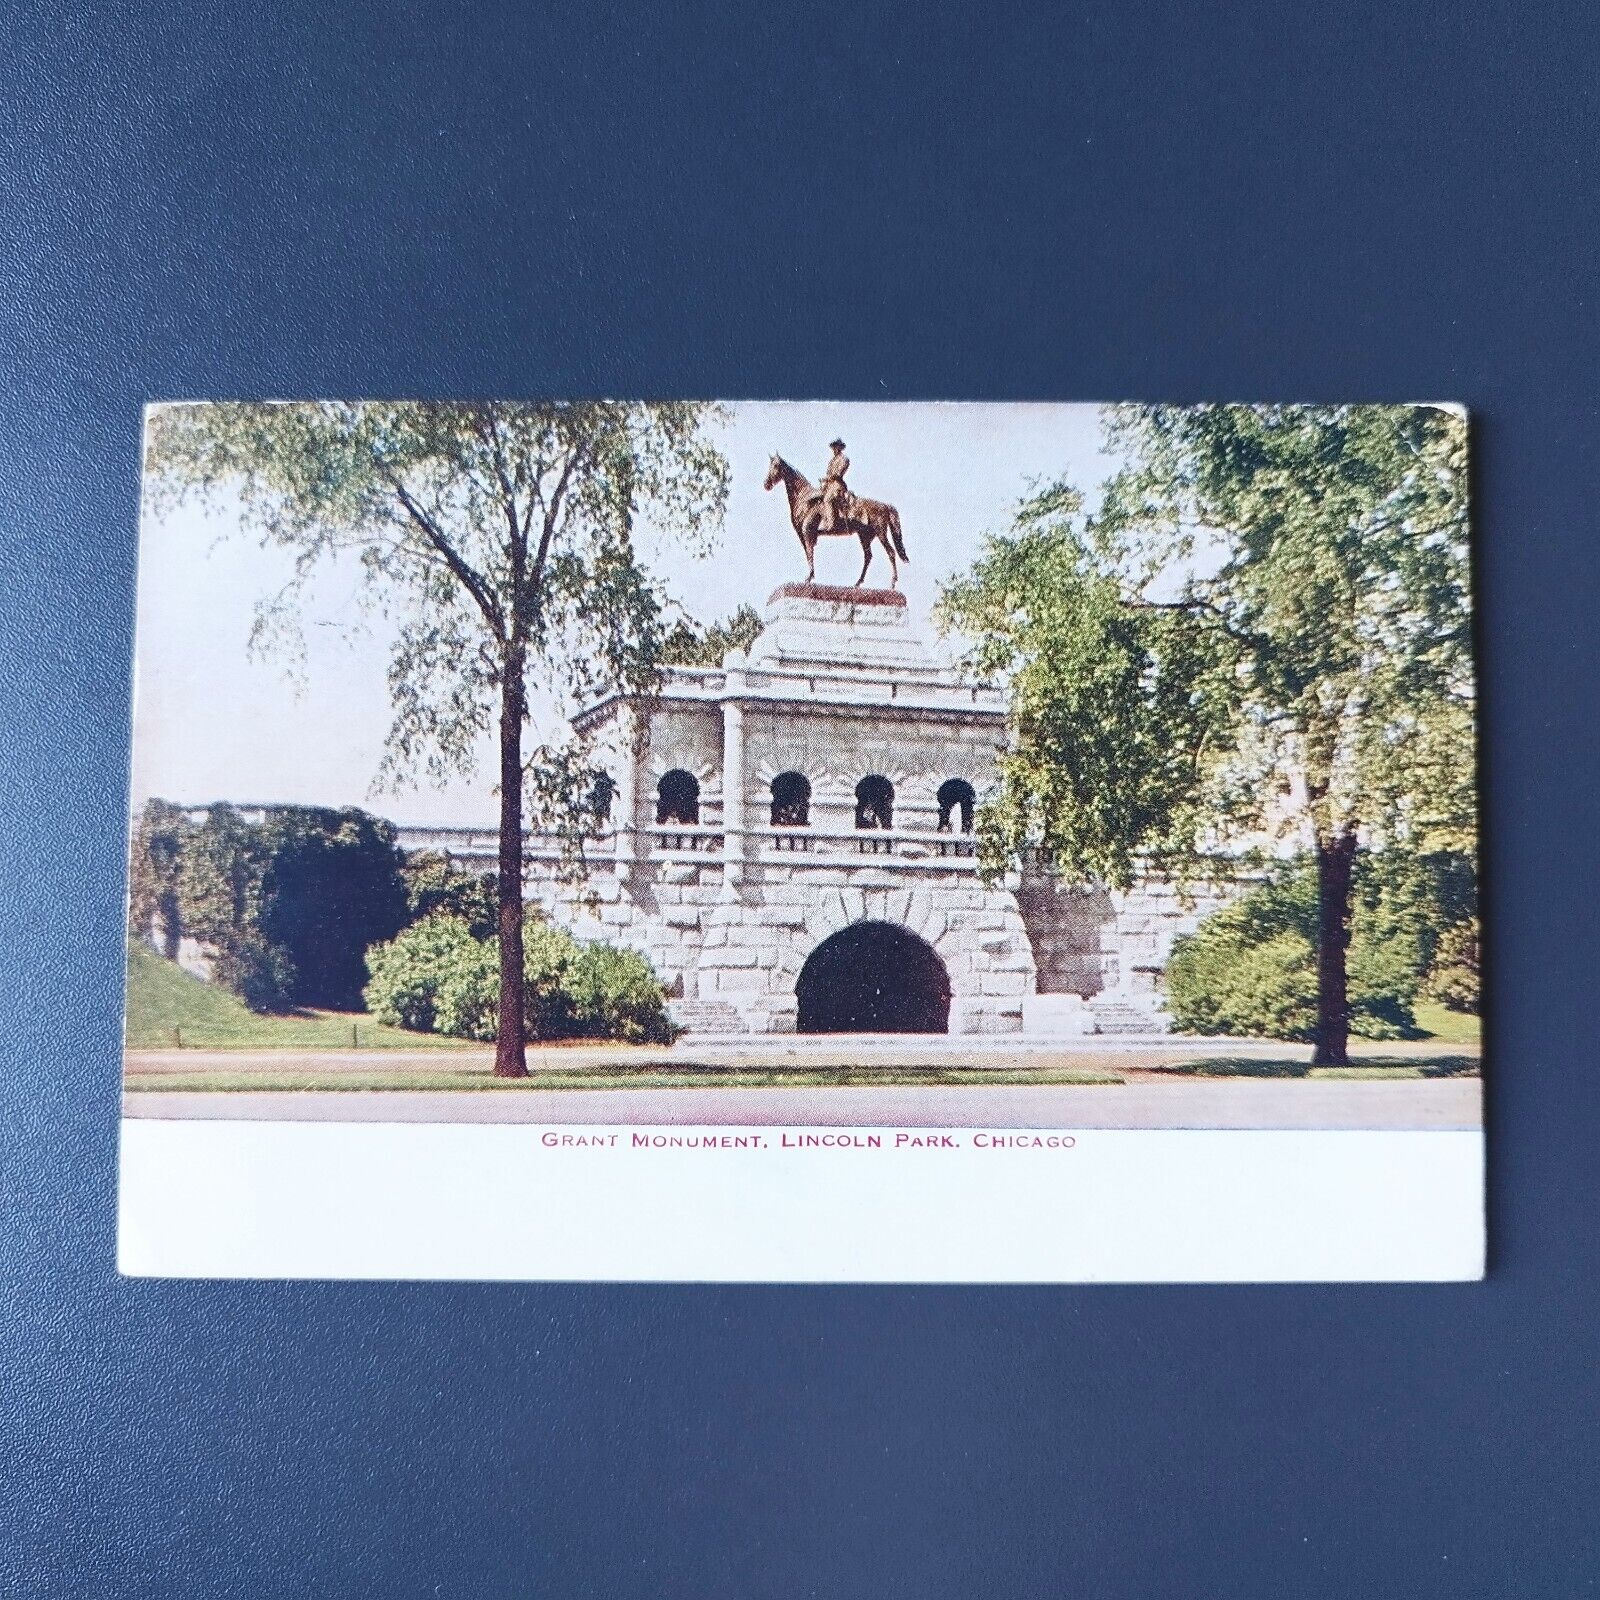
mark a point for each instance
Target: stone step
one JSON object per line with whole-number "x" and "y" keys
{"x": 705, "y": 1016}
{"x": 1128, "y": 1017}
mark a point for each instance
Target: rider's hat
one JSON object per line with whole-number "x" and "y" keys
{"x": 836, "y": 444}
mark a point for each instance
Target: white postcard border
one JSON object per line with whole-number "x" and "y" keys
{"x": 217, "y": 1199}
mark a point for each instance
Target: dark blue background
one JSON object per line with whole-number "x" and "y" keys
{"x": 1095, "y": 201}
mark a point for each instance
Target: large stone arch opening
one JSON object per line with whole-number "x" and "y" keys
{"x": 873, "y": 977}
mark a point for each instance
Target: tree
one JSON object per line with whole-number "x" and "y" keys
{"x": 434, "y": 885}
{"x": 1251, "y": 967}
{"x": 501, "y": 534}
{"x": 1265, "y": 629}
{"x": 219, "y": 870}
{"x": 222, "y": 871}
{"x": 286, "y": 907}
{"x": 690, "y": 646}
{"x": 157, "y": 847}
{"x": 331, "y": 886}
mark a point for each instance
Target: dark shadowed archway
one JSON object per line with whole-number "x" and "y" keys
{"x": 873, "y": 977}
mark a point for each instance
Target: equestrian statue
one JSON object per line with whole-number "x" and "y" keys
{"x": 817, "y": 512}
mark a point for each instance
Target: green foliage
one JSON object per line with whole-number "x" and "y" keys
{"x": 331, "y": 886}
{"x": 219, "y": 875}
{"x": 499, "y": 536}
{"x": 1114, "y": 707}
{"x": 434, "y": 884}
{"x": 409, "y": 971}
{"x": 1220, "y": 982}
{"x": 1262, "y": 634}
{"x": 287, "y": 906}
{"x": 159, "y": 836}
{"x": 1265, "y": 591}
{"x": 548, "y": 957}
{"x": 1250, "y": 969}
{"x": 258, "y": 971}
{"x": 221, "y": 871}
{"x": 1454, "y": 980}
{"x": 436, "y": 975}
{"x": 615, "y": 994}
{"x": 689, "y": 646}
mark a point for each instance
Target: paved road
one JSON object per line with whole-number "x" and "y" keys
{"x": 1442, "y": 1103}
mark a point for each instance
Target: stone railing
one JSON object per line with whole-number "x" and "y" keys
{"x": 684, "y": 838}
{"x": 903, "y": 844}
{"x": 924, "y": 847}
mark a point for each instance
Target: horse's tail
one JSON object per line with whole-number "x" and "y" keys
{"x": 894, "y": 529}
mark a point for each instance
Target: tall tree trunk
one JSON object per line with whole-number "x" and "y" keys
{"x": 1335, "y": 861}
{"x": 511, "y": 1050}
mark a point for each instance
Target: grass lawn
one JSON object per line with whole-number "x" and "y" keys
{"x": 1454, "y": 1027}
{"x": 168, "y": 1007}
{"x": 1369, "y": 1067}
{"x": 687, "y": 1075}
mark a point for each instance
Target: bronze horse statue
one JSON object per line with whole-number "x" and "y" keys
{"x": 868, "y": 520}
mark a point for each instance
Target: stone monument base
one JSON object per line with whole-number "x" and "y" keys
{"x": 848, "y": 594}
{"x": 828, "y": 624}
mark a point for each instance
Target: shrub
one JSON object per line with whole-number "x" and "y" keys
{"x": 467, "y": 1005}
{"x": 435, "y": 976}
{"x": 258, "y": 971}
{"x": 1217, "y": 982}
{"x": 1454, "y": 982}
{"x": 548, "y": 958}
{"x": 1251, "y": 968}
{"x": 615, "y": 994}
{"x": 411, "y": 971}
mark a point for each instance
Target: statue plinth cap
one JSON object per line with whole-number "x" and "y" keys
{"x": 837, "y": 594}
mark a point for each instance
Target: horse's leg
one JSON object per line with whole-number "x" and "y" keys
{"x": 866, "y": 558}
{"x": 809, "y": 540}
{"x": 888, "y": 550}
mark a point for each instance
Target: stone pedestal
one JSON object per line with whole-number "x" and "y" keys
{"x": 829, "y": 625}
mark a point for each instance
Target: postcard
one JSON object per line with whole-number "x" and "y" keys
{"x": 803, "y": 841}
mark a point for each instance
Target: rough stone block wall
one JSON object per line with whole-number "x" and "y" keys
{"x": 746, "y": 945}
{"x": 1090, "y": 940}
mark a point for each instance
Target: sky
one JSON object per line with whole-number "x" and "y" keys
{"x": 212, "y": 722}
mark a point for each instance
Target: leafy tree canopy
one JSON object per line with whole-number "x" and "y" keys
{"x": 1264, "y": 594}
{"x": 498, "y": 539}
{"x": 690, "y": 646}
{"x": 1263, "y": 634}
{"x": 492, "y": 535}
